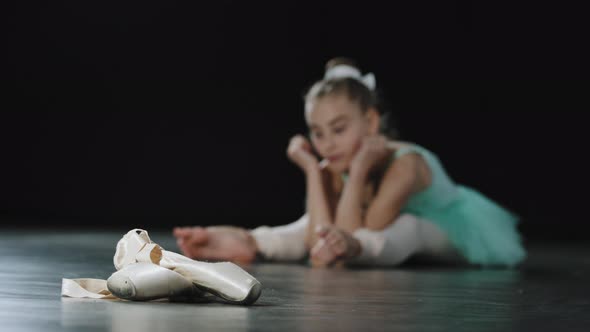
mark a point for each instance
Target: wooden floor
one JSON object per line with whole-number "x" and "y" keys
{"x": 551, "y": 292}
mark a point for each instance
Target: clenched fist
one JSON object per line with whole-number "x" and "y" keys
{"x": 373, "y": 150}
{"x": 300, "y": 153}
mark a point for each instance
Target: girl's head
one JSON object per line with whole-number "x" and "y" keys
{"x": 340, "y": 111}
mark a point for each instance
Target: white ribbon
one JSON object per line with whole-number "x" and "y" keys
{"x": 344, "y": 71}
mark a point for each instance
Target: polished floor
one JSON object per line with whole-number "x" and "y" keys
{"x": 551, "y": 292}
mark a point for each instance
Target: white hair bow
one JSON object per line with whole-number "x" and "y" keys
{"x": 343, "y": 71}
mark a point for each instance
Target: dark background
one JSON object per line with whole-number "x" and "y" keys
{"x": 160, "y": 113}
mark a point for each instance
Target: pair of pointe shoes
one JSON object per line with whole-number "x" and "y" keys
{"x": 148, "y": 272}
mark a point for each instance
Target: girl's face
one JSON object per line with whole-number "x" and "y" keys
{"x": 337, "y": 127}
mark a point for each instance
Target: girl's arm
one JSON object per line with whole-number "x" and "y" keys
{"x": 318, "y": 207}
{"x": 316, "y": 175}
{"x": 405, "y": 176}
{"x": 349, "y": 210}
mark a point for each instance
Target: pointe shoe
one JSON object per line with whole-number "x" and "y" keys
{"x": 127, "y": 248}
{"x": 145, "y": 281}
{"x": 226, "y": 280}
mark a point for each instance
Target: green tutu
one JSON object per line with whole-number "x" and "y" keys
{"x": 483, "y": 232}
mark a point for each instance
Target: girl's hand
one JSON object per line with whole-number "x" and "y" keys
{"x": 334, "y": 245}
{"x": 373, "y": 149}
{"x": 300, "y": 153}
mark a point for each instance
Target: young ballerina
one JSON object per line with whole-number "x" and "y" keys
{"x": 370, "y": 199}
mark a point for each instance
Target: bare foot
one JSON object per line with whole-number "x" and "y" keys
{"x": 218, "y": 243}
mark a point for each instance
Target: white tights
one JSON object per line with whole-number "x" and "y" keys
{"x": 407, "y": 236}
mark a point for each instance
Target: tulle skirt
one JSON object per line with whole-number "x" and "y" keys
{"x": 484, "y": 232}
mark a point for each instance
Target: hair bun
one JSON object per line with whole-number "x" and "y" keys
{"x": 340, "y": 61}
{"x": 345, "y": 68}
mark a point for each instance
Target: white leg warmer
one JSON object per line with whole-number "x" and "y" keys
{"x": 405, "y": 237}
{"x": 282, "y": 243}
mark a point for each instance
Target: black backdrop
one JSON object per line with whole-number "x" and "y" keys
{"x": 156, "y": 114}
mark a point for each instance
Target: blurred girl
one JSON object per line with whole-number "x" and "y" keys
{"x": 371, "y": 199}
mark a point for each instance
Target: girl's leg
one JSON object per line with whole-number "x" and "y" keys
{"x": 407, "y": 236}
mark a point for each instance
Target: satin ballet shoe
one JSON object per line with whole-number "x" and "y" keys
{"x": 226, "y": 280}
{"x": 129, "y": 246}
{"x": 145, "y": 281}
